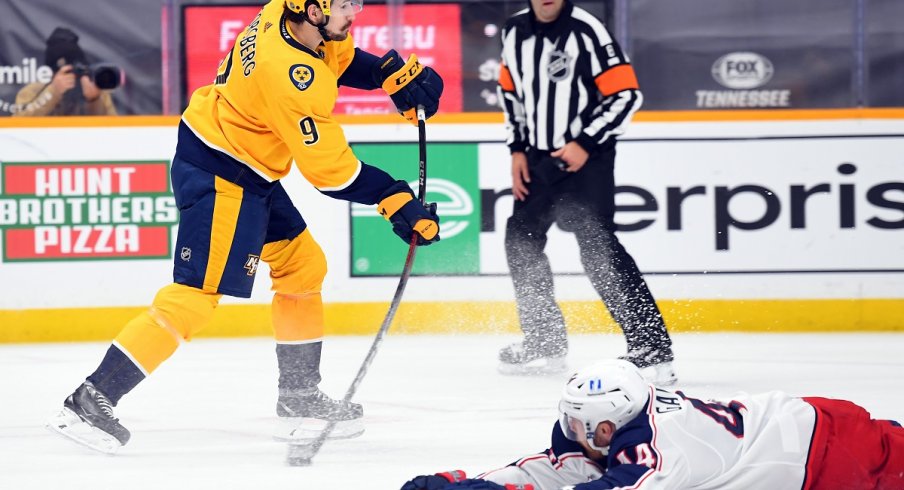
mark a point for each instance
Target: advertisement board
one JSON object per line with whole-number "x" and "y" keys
{"x": 717, "y": 210}
{"x": 683, "y": 206}
{"x": 452, "y": 184}
{"x": 209, "y": 32}
{"x": 125, "y": 34}
{"x": 731, "y": 55}
{"x": 85, "y": 210}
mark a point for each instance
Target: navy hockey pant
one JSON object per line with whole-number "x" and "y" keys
{"x": 582, "y": 203}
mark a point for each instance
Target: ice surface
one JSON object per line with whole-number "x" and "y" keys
{"x": 432, "y": 403}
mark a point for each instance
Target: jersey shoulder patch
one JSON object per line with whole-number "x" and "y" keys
{"x": 301, "y": 76}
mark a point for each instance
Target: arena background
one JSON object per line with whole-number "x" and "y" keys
{"x": 752, "y": 103}
{"x": 824, "y": 53}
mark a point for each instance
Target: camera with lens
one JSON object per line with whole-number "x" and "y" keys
{"x": 105, "y": 75}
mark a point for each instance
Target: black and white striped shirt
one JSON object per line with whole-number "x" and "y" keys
{"x": 564, "y": 81}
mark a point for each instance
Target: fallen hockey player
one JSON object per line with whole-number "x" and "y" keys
{"x": 617, "y": 431}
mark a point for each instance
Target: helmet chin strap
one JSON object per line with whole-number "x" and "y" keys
{"x": 321, "y": 28}
{"x": 589, "y": 435}
{"x": 604, "y": 450}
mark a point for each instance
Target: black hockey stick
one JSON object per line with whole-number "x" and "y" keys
{"x": 302, "y": 454}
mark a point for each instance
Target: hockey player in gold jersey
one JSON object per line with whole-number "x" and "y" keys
{"x": 271, "y": 104}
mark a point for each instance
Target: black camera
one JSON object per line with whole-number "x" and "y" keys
{"x": 105, "y": 75}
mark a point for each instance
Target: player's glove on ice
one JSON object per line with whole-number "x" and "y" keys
{"x": 408, "y": 215}
{"x": 471, "y": 484}
{"x": 434, "y": 482}
{"x": 409, "y": 84}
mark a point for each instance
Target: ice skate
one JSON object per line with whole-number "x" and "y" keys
{"x": 87, "y": 418}
{"x": 516, "y": 359}
{"x": 303, "y": 416}
{"x": 655, "y": 365}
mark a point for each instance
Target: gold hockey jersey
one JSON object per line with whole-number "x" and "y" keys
{"x": 272, "y": 102}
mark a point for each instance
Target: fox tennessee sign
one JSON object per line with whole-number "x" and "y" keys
{"x": 85, "y": 210}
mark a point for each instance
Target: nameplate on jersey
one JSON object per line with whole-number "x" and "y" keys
{"x": 559, "y": 67}
{"x": 302, "y": 76}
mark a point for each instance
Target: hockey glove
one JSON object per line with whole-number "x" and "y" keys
{"x": 408, "y": 215}
{"x": 434, "y": 482}
{"x": 409, "y": 84}
{"x": 471, "y": 484}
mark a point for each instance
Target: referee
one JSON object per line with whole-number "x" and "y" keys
{"x": 568, "y": 91}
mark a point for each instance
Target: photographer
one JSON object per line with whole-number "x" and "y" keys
{"x": 71, "y": 69}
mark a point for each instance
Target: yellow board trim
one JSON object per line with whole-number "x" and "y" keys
{"x": 682, "y": 316}
{"x": 484, "y": 117}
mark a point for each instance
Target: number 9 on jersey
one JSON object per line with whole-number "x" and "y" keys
{"x": 309, "y": 130}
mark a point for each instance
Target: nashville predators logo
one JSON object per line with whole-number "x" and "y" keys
{"x": 302, "y": 76}
{"x": 252, "y": 263}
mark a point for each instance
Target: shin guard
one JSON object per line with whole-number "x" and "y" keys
{"x": 178, "y": 312}
{"x": 299, "y": 367}
{"x": 298, "y": 267}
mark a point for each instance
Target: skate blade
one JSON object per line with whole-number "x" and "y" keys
{"x": 69, "y": 425}
{"x": 300, "y": 430}
{"x": 537, "y": 367}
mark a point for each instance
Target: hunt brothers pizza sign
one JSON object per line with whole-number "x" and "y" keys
{"x": 86, "y": 210}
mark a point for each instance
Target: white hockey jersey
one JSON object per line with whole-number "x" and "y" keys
{"x": 750, "y": 442}
{"x": 563, "y": 464}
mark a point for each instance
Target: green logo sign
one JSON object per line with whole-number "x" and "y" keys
{"x": 451, "y": 184}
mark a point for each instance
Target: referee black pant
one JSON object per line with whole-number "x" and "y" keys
{"x": 582, "y": 203}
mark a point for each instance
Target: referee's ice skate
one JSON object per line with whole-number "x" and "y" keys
{"x": 655, "y": 364}
{"x": 87, "y": 418}
{"x": 525, "y": 359}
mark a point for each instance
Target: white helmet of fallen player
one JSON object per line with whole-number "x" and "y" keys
{"x": 612, "y": 390}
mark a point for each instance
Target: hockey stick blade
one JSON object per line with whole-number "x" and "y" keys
{"x": 303, "y": 454}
